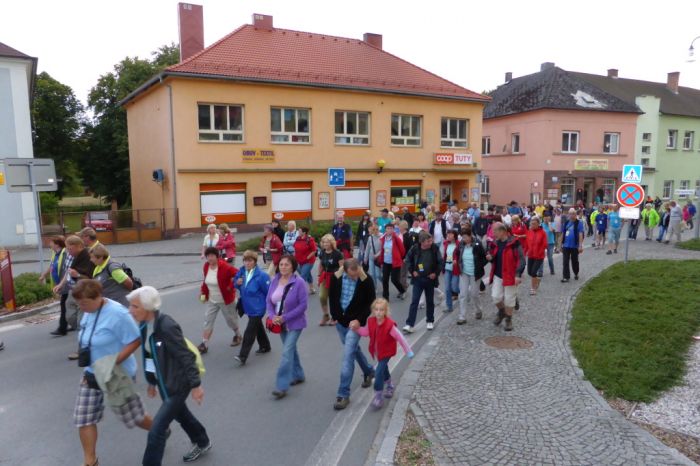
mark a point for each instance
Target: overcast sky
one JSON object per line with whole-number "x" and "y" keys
{"x": 468, "y": 42}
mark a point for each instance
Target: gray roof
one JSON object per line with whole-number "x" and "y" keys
{"x": 685, "y": 103}
{"x": 554, "y": 88}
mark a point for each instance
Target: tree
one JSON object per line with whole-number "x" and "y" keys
{"x": 58, "y": 118}
{"x": 105, "y": 166}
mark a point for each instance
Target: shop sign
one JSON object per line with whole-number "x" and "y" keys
{"x": 258, "y": 156}
{"x": 590, "y": 164}
{"x": 446, "y": 158}
{"x": 278, "y": 215}
{"x": 381, "y": 198}
{"x": 395, "y": 209}
{"x": 210, "y": 219}
{"x": 476, "y": 194}
{"x": 430, "y": 195}
{"x": 552, "y": 193}
{"x": 324, "y": 200}
{"x": 408, "y": 200}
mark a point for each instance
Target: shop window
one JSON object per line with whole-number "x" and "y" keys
{"x": 453, "y": 132}
{"x": 611, "y": 143}
{"x": 406, "y": 130}
{"x": 407, "y": 196}
{"x": 290, "y": 125}
{"x": 352, "y": 128}
{"x": 568, "y": 187}
{"x": 220, "y": 123}
{"x": 569, "y": 142}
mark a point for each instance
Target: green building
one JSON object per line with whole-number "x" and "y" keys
{"x": 668, "y": 132}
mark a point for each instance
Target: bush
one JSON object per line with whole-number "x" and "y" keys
{"x": 49, "y": 202}
{"x": 28, "y": 290}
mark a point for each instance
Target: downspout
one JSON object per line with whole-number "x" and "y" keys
{"x": 173, "y": 175}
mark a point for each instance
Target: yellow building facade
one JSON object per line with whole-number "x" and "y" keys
{"x": 237, "y": 151}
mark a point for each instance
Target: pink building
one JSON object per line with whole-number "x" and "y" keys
{"x": 553, "y": 135}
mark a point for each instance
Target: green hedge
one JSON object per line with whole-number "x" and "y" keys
{"x": 28, "y": 290}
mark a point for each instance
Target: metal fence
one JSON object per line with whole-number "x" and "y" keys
{"x": 113, "y": 226}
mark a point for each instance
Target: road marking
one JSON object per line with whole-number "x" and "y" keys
{"x": 11, "y": 327}
{"x": 332, "y": 444}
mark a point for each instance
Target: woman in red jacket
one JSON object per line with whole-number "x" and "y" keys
{"x": 219, "y": 295}
{"x": 227, "y": 244}
{"x": 390, "y": 259}
{"x": 305, "y": 250}
{"x": 519, "y": 230}
{"x": 535, "y": 250}
{"x": 271, "y": 249}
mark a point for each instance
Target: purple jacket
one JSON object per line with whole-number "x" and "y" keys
{"x": 295, "y": 304}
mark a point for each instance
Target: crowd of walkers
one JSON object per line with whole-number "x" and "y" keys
{"x": 444, "y": 256}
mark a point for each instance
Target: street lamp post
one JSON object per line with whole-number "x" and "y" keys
{"x": 691, "y": 50}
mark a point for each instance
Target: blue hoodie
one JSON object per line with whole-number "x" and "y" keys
{"x": 254, "y": 293}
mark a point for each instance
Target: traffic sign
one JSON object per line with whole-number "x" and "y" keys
{"x": 629, "y": 213}
{"x": 632, "y": 174}
{"x": 336, "y": 177}
{"x": 630, "y": 195}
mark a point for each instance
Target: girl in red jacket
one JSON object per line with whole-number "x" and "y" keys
{"x": 383, "y": 335}
{"x": 535, "y": 250}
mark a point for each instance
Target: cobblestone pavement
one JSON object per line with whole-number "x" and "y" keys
{"x": 482, "y": 405}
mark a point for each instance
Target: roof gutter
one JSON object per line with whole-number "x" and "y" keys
{"x": 165, "y": 74}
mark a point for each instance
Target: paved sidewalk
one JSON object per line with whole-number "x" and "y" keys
{"x": 481, "y": 405}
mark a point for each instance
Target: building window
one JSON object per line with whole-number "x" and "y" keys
{"x": 289, "y": 125}
{"x": 486, "y": 145}
{"x": 688, "y": 140}
{"x": 646, "y": 137}
{"x": 685, "y": 184}
{"x": 485, "y": 185}
{"x": 515, "y": 143}
{"x": 646, "y": 150}
{"x": 645, "y": 162}
{"x": 569, "y": 142}
{"x": 668, "y": 189}
{"x": 697, "y": 186}
{"x": 672, "y": 139}
{"x": 222, "y": 123}
{"x": 405, "y": 130}
{"x": 352, "y": 128}
{"x": 611, "y": 143}
{"x": 453, "y": 132}
{"x": 568, "y": 187}
{"x": 608, "y": 190}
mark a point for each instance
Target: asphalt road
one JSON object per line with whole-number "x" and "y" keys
{"x": 38, "y": 387}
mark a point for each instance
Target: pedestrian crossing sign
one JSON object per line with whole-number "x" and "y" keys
{"x": 632, "y": 174}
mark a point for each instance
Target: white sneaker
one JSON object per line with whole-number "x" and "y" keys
{"x": 429, "y": 325}
{"x": 407, "y": 329}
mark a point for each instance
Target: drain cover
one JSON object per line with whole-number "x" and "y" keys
{"x": 501, "y": 342}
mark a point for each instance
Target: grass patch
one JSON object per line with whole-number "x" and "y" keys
{"x": 412, "y": 448}
{"x": 691, "y": 244}
{"x": 632, "y": 325}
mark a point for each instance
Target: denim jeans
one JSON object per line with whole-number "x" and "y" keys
{"x": 381, "y": 374}
{"x": 305, "y": 272}
{"x": 420, "y": 285}
{"x": 351, "y": 353}
{"x": 375, "y": 272}
{"x": 290, "y": 367}
{"x": 174, "y": 408}
{"x": 451, "y": 286}
{"x": 550, "y": 260}
{"x": 662, "y": 233}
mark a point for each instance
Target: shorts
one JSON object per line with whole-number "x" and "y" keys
{"x": 533, "y": 266}
{"x": 90, "y": 407}
{"x": 601, "y": 232}
{"x": 503, "y": 294}
{"x": 614, "y": 236}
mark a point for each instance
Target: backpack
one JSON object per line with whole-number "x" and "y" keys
{"x": 130, "y": 273}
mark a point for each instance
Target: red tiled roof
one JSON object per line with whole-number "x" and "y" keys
{"x": 7, "y": 51}
{"x": 285, "y": 56}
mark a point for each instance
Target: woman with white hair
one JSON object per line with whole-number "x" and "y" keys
{"x": 290, "y": 237}
{"x": 211, "y": 239}
{"x": 170, "y": 366}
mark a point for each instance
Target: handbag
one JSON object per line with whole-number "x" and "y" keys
{"x": 84, "y": 353}
{"x": 270, "y": 324}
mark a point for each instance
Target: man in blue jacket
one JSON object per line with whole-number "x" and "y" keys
{"x": 252, "y": 284}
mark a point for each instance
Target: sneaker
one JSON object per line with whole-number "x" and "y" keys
{"x": 279, "y": 394}
{"x": 509, "y": 324}
{"x": 609, "y": 253}
{"x": 59, "y": 333}
{"x": 202, "y": 348}
{"x": 565, "y": 280}
{"x": 401, "y": 296}
{"x": 195, "y": 452}
{"x": 389, "y": 390}
{"x": 367, "y": 380}
{"x": 240, "y": 359}
{"x": 297, "y": 382}
{"x": 341, "y": 403}
{"x": 478, "y": 315}
{"x": 377, "y": 401}
{"x": 429, "y": 326}
{"x": 72, "y": 356}
{"x": 421, "y": 306}
{"x": 262, "y": 350}
{"x": 407, "y": 329}
{"x": 237, "y": 340}
{"x": 461, "y": 321}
